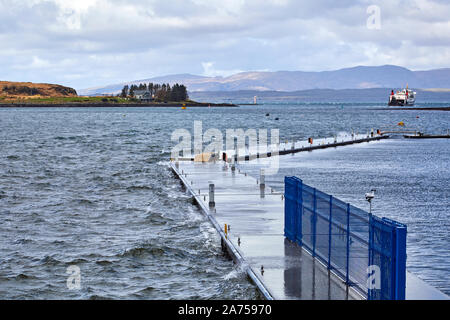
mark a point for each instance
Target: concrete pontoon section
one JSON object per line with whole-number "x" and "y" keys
{"x": 254, "y": 235}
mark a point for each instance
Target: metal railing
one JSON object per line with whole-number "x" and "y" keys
{"x": 367, "y": 252}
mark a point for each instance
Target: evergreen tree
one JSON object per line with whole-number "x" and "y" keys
{"x": 124, "y": 93}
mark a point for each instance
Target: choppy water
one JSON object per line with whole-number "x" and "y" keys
{"x": 90, "y": 187}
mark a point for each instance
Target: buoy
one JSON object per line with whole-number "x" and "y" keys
{"x": 276, "y": 118}
{"x": 267, "y": 114}
{"x": 401, "y": 123}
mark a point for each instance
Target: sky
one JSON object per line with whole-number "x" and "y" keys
{"x": 89, "y": 43}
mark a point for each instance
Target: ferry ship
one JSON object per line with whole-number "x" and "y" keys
{"x": 405, "y": 97}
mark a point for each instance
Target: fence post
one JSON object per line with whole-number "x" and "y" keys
{"x": 299, "y": 212}
{"x": 329, "y": 232}
{"x": 314, "y": 219}
{"x": 347, "y": 278}
{"x": 370, "y": 293}
{"x": 400, "y": 262}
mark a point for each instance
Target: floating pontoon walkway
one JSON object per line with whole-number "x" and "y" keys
{"x": 249, "y": 217}
{"x": 254, "y": 216}
{"x": 297, "y": 146}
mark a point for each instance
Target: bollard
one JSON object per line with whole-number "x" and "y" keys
{"x": 212, "y": 204}
{"x": 262, "y": 178}
{"x": 226, "y": 231}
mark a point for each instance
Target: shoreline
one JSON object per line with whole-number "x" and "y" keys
{"x": 108, "y": 105}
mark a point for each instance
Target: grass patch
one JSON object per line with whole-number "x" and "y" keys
{"x": 64, "y": 100}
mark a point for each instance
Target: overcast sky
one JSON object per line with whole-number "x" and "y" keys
{"x": 87, "y": 43}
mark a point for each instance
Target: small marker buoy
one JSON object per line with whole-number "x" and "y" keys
{"x": 262, "y": 270}
{"x": 267, "y": 114}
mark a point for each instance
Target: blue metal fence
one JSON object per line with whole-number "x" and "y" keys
{"x": 367, "y": 252}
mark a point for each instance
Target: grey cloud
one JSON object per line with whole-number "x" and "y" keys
{"x": 119, "y": 40}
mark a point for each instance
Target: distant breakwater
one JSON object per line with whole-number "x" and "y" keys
{"x": 419, "y": 108}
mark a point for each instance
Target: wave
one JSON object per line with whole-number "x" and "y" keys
{"x": 23, "y": 276}
{"x": 153, "y": 250}
{"x": 49, "y": 261}
{"x": 138, "y": 187}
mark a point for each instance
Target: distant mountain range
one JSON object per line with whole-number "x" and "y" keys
{"x": 361, "y": 77}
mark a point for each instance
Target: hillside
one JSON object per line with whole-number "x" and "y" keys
{"x": 27, "y": 90}
{"x": 361, "y": 77}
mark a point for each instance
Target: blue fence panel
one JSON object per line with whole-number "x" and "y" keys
{"x": 299, "y": 221}
{"x": 359, "y": 249}
{"x": 382, "y": 240}
{"x": 339, "y": 236}
{"x": 400, "y": 231}
{"x": 322, "y": 226}
{"x": 308, "y": 218}
{"x": 367, "y": 252}
{"x": 290, "y": 208}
